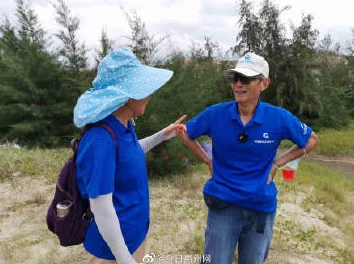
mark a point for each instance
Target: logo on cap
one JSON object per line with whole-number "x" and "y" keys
{"x": 247, "y": 57}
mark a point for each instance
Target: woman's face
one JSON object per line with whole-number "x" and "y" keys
{"x": 138, "y": 106}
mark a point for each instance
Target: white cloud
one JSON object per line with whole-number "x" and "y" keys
{"x": 186, "y": 20}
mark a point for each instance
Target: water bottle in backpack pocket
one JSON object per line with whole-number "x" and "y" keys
{"x": 63, "y": 208}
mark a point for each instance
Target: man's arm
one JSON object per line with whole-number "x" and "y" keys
{"x": 293, "y": 153}
{"x": 194, "y": 146}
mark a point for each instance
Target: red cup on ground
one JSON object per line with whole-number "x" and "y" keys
{"x": 288, "y": 175}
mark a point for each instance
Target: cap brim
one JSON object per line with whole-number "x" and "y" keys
{"x": 244, "y": 71}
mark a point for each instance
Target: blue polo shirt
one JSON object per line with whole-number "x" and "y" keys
{"x": 241, "y": 170}
{"x": 100, "y": 171}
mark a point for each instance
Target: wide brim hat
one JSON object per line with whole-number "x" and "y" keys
{"x": 120, "y": 77}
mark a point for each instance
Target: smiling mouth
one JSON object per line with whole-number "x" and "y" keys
{"x": 239, "y": 92}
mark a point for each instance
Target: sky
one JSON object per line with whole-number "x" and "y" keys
{"x": 185, "y": 21}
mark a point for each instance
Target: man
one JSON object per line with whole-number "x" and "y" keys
{"x": 241, "y": 195}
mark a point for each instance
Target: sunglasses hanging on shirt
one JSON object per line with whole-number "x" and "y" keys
{"x": 242, "y": 137}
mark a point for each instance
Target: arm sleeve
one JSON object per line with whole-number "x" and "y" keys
{"x": 109, "y": 227}
{"x": 96, "y": 163}
{"x": 200, "y": 125}
{"x": 152, "y": 141}
{"x": 296, "y": 131}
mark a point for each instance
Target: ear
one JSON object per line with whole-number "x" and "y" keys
{"x": 265, "y": 84}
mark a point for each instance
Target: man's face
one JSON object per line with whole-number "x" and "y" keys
{"x": 248, "y": 89}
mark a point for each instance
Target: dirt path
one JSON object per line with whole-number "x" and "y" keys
{"x": 343, "y": 164}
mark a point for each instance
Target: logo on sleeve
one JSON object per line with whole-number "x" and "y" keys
{"x": 304, "y": 128}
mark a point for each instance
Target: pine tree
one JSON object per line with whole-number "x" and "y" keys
{"x": 35, "y": 97}
{"x": 73, "y": 53}
{"x": 30, "y": 29}
{"x": 106, "y": 45}
{"x": 350, "y": 89}
{"x": 144, "y": 45}
{"x": 250, "y": 35}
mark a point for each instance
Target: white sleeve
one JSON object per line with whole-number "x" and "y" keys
{"x": 152, "y": 141}
{"x": 109, "y": 227}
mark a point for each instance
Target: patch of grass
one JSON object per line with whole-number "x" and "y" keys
{"x": 7, "y": 251}
{"x": 178, "y": 213}
{"x": 37, "y": 199}
{"x": 328, "y": 187}
{"x": 329, "y": 194}
{"x": 34, "y": 162}
{"x": 290, "y": 234}
{"x": 336, "y": 142}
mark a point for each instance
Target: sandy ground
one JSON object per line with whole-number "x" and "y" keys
{"x": 177, "y": 223}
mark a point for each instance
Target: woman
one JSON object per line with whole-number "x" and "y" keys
{"x": 114, "y": 177}
{"x": 241, "y": 195}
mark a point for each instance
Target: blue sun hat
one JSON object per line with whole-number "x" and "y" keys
{"x": 120, "y": 77}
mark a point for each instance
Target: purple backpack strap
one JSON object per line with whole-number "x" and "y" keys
{"x": 74, "y": 144}
{"x": 109, "y": 130}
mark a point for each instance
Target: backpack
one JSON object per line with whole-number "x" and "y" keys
{"x": 69, "y": 214}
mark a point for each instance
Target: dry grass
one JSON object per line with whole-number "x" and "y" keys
{"x": 178, "y": 214}
{"x": 313, "y": 224}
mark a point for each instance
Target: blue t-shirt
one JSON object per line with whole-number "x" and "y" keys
{"x": 241, "y": 170}
{"x": 102, "y": 170}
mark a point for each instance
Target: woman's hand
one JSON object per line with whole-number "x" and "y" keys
{"x": 171, "y": 130}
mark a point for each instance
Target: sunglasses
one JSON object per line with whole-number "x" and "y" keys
{"x": 242, "y": 137}
{"x": 245, "y": 79}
